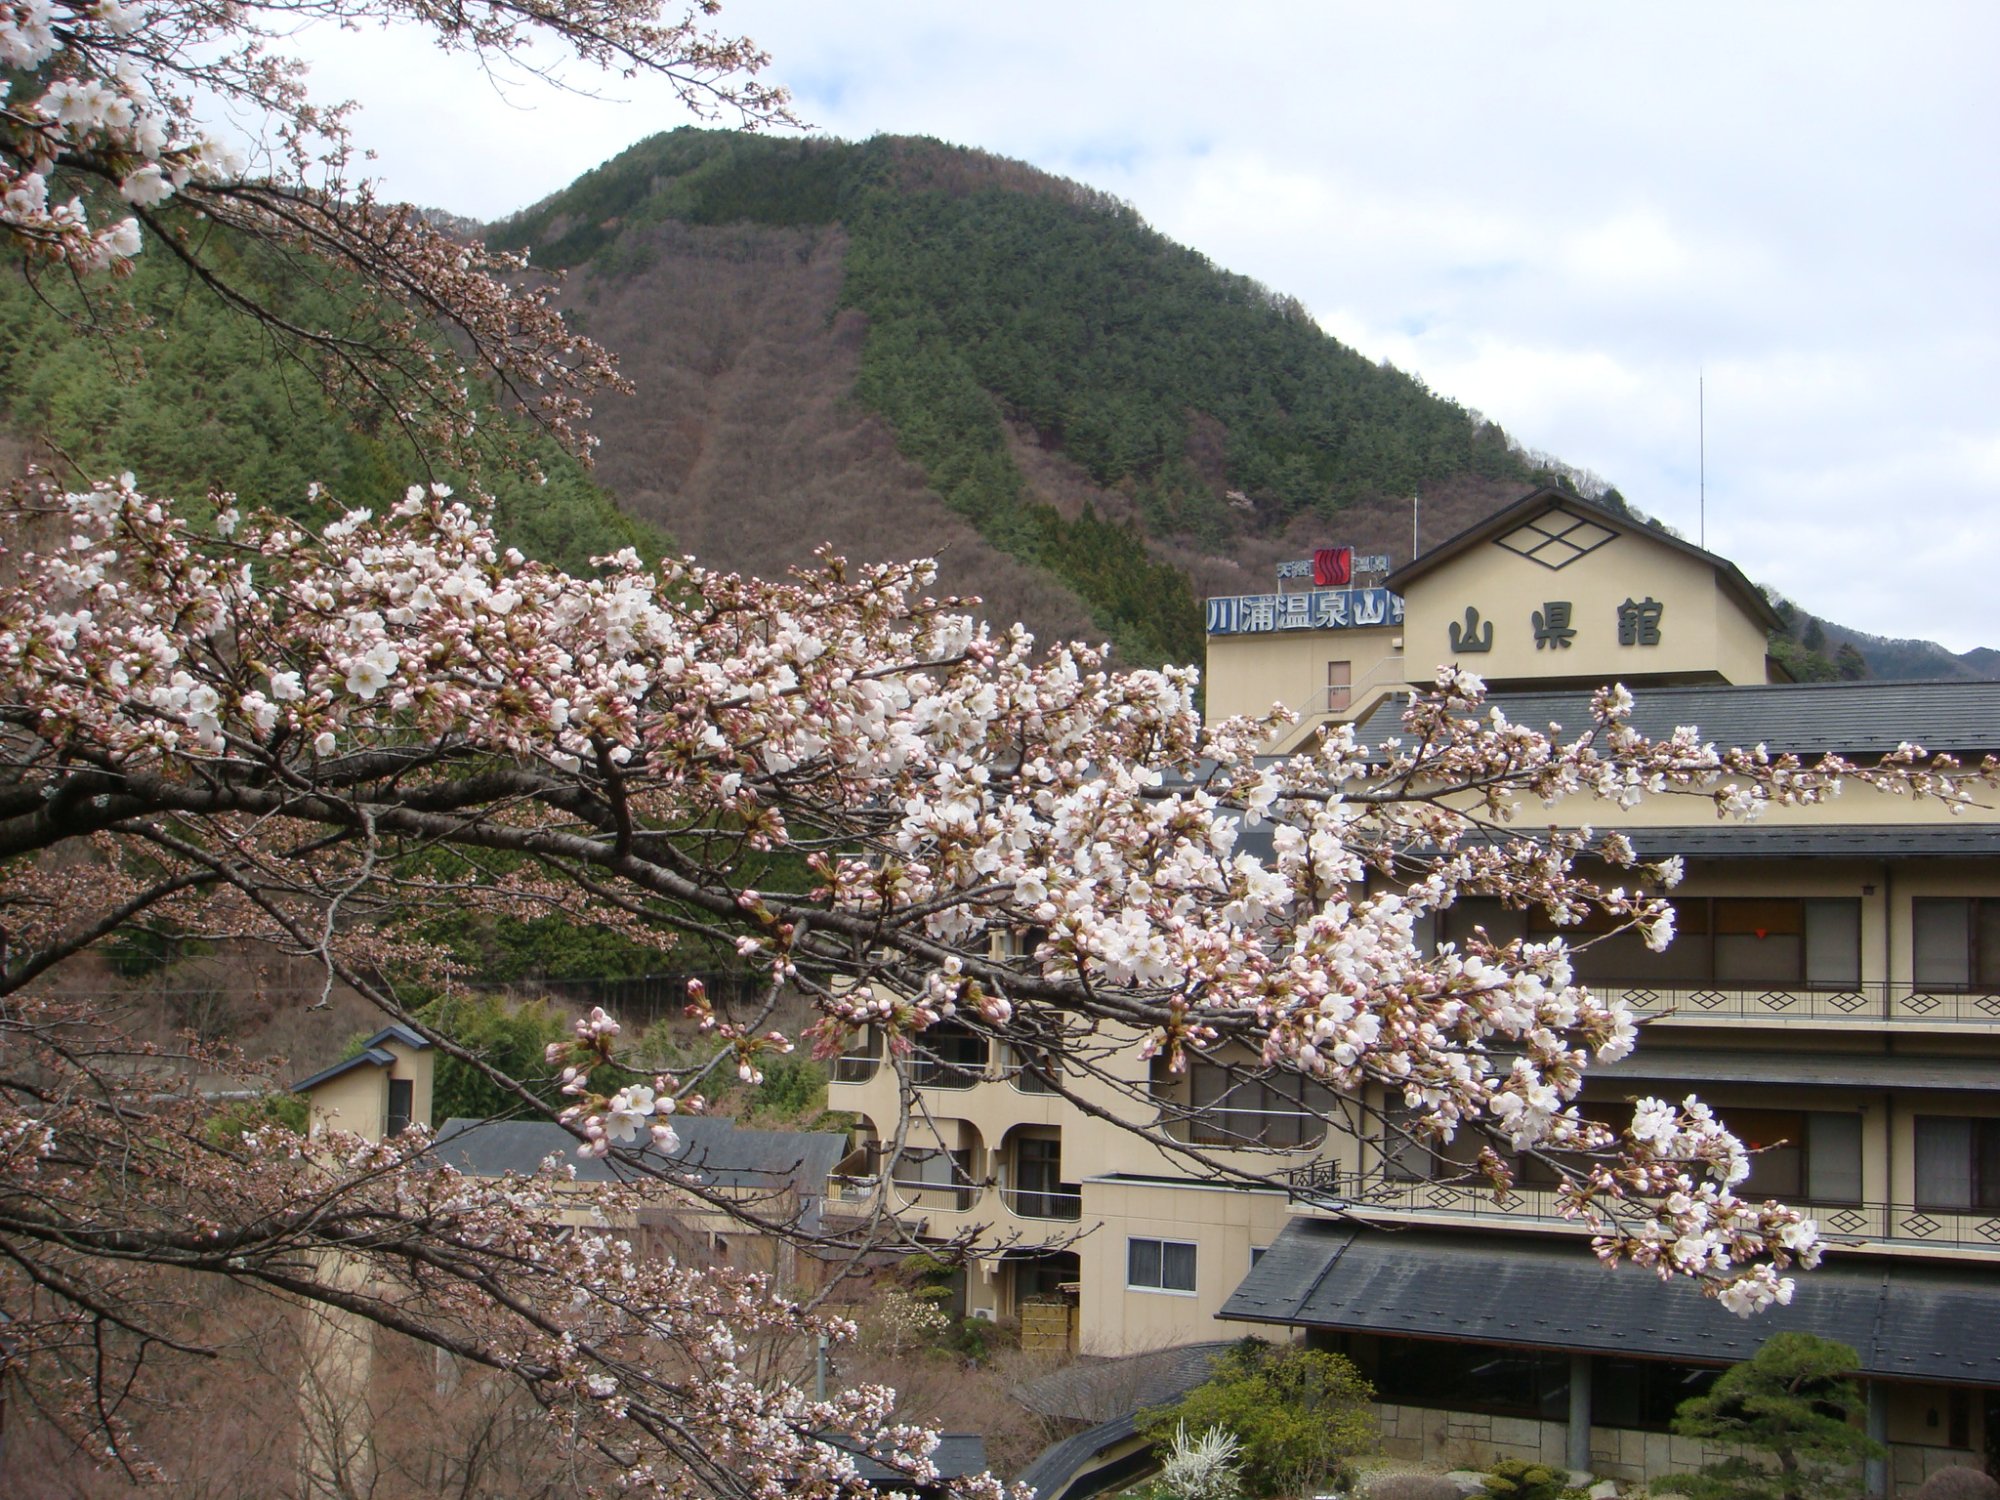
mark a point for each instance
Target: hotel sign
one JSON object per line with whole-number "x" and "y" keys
{"x": 1331, "y": 566}
{"x": 1319, "y": 609}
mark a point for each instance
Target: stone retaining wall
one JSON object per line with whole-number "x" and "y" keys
{"x": 1474, "y": 1440}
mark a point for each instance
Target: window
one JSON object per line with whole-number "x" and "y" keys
{"x": 1500, "y": 922}
{"x": 1159, "y": 1266}
{"x": 1405, "y": 1157}
{"x": 1035, "y": 1069}
{"x": 950, "y": 1055}
{"x": 1234, "y": 1109}
{"x": 1817, "y": 942}
{"x": 1040, "y": 1192}
{"x": 1957, "y": 943}
{"x": 1810, "y": 1155}
{"x": 1958, "y": 1162}
{"x": 934, "y": 1168}
{"x": 1643, "y": 1393}
{"x": 1779, "y": 942}
{"x": 402, "y": 1102}
{"x": 1472, "y": 1377}
{"x": 1339, "y": 686}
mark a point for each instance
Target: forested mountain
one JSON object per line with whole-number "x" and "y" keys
{"x": 904, "y": 346}
{"x": 956, "y": 352}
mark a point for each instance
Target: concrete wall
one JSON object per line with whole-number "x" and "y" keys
{"x": 1246, "y": 674}
{"x": 1222, "y": 1223}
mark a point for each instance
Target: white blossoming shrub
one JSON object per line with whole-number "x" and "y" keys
{"x": 1203, "y": 1467}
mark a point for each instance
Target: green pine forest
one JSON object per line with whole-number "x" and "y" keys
{"x": 196, "y": 400}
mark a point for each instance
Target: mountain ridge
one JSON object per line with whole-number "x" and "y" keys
{"x": 1095, "y": 426}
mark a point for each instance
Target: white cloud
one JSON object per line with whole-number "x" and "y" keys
{"x": 1558, "y": 213}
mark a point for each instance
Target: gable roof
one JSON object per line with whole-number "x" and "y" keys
{"x": 1547, "y": 498}
{"x": 372, "y": 1055}
{"x": 958, "y": 1455}
{"x": 713, "y": 1150}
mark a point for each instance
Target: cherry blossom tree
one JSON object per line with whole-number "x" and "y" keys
{"x": 260, "y": 731}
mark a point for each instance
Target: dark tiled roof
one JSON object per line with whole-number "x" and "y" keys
{"x": 372, "y": 1055}
{"x": 1091, "y": 1390}
{"x": 1917, "y": 1322}
{"x": 1050, "y": 1476}
{"x": 957, "y": 1456}
{"x": 1120, "y": 1389}
{"x": 1805, "y": 718}
{"x": 719, "y": 1153}
{"x": 1857, "y": 1070}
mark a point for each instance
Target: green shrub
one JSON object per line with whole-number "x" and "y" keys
{"x": 511, "y": 1037}
{"x": 793, "y": 1088}
{"x": 1301, "y": 1415}
{"x": 1517, "y": 1479}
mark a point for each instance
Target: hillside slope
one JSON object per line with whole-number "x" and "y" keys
{"x": 906, "y": 347}
{"x": 192, "y": 401}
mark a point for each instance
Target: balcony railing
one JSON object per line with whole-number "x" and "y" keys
{"x": 1869, "y": 1003}
{"x": 928, "y": 1072}
{"x": 855, "y": 1067}
{"x": 1324, "y": 1185}
{"x": 1245, "y": 1129}
{"x": 913, "y": 1193}
{"x": 1064, "y": 1201}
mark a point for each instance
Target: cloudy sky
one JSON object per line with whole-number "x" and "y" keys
{"x": 1564, "y": 215}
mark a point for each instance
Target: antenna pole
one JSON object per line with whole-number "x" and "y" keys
{"x": 1413, "y": 526}
{"x": 1701, "y": 441}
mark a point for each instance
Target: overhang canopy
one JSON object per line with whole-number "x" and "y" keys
{"x": 1905, "y": 1321}
{"x": 1857, "y": 1070}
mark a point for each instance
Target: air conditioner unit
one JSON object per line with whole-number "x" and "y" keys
{"x": 982, "y": 1314}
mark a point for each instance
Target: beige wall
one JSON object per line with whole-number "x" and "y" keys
{"x": 1705, "y": 631}
{"x": 1223, "y": 1224}
{"x": 1246, "y": 674}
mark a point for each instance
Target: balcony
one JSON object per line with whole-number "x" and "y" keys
{"x": 912, "y": 1196}
{"x": 1323, "y": 1187}
{"x": 1871, "y": 1003}
{"x": 1062, "y": 1202}
{"x": 859, "y": 1063}
{"x": 950, "y": 1055}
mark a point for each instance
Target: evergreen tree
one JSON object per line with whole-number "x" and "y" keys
{"x": 1794, "y": 1405}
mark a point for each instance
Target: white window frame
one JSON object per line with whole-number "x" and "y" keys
{"x": 1164, "y": 1291}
